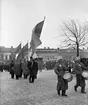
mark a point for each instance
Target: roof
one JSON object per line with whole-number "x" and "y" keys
{"x": 72, "y": 50}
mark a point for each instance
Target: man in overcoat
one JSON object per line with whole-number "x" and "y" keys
{"x": 60, "y": 68}
{"x": 29, "y": 65}
{"x": 80, "y": 80}
{"x": 17, "y": 69}
{"x": 11, "y": 69}
{"x": 25, "y": 69}
{"x": 33, "y": 67}
{"x": 37, "y": 67}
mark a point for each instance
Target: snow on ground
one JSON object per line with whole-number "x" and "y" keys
{"x": 41, "y": 92}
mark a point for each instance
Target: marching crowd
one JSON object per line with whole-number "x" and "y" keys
{"x": 77, "y": 67}
{"x": 63, "y": 69}
{"x": 25, "y": 68}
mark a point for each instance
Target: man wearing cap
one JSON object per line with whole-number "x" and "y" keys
{"x": 60, "y": 68}
{"x": 80, "y": 80}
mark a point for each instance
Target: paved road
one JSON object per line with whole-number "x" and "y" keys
{"x": 42, "y": 92}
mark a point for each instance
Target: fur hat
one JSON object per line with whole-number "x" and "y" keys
{"x": 59, "y": 57}
{"x": 77, "y": 58}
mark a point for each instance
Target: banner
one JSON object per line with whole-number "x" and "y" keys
{"x": 23, "y": 52}
{"x": 35, "y": 40}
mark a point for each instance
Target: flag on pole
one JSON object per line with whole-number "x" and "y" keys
{"x": 12, "y": 56}
{"x": 23, "y": 52}
{"x": 18, "y": 48}
{"x": 35, "y": 40}
{"x": 15, "y": 53}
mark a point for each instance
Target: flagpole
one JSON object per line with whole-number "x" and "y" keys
{"x": 28, "y": 50}
{"x": 21, "y": 43}
{"x": 44, "y": 18}
{"x": 22, "y": 52}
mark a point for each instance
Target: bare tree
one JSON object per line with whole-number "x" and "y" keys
{"x": 75, "y": 35}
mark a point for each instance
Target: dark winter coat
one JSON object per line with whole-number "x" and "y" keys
{"x": 29, "y": 64}
{"x": 60, "y": 69}
{"x": 25, "y": 68}
{"x": 79, "y": 68}
{"x": 17, "y": 68}
{"x": 1, "y": 67}
{"x": 34, "y": 69}
{"x": 11, "y": 68}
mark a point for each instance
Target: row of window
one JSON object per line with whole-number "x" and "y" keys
{"x": 5, "y": 57}
{"x": 48, "y": 57}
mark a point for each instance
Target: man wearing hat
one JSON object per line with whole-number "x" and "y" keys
{"x": 60, "y": 68}
{"x": 80, "y": 80}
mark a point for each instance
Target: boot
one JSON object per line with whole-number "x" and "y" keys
{"x": 33, "y": 78}
{"x": 75, "y": 88}
{"x": 17, "y": 77}
{"x": 58, "y": 92}
{"x": 83, "y": 90}
{"x": 64, "y": 93}
{"x": 30, "y": 79}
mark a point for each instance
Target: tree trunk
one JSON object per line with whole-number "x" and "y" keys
{"x": 77, "y": 49}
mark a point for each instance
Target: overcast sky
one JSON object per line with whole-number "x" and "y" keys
{"x": 18, "y": 18}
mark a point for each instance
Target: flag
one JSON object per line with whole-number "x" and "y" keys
{"x": 25, "y": 48}
{"x": 23, "y": 52}
{"x": 18, "y": 48}
{"x": 12, "y": 56}
{"x": 35, "y": 40}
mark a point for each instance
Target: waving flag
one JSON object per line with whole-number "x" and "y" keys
{"x": 16, "y": 52}
{"x": 18, "y": 48}
{"x": 35, "y": 40}
{"x": 23, "y": 52}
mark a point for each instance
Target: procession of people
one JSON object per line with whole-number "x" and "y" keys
{"x": 24, "y": 68}
{"x": 28, "y": 69}
{"x": 63, "y": 69}
{"x": 64, "y": 75}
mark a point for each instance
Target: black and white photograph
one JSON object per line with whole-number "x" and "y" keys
{"x": 43, "y": 52}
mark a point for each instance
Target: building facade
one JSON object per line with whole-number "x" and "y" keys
{"x": 70, "y": 54}
{"x": 5, "y": 53}
{"x": 45, "y": 53}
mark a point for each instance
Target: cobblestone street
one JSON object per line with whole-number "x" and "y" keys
{"x": 41, "y": 92}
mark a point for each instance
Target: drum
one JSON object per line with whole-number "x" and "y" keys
{"x": 68, "y": 76}
{"x": 85, "y": 74}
